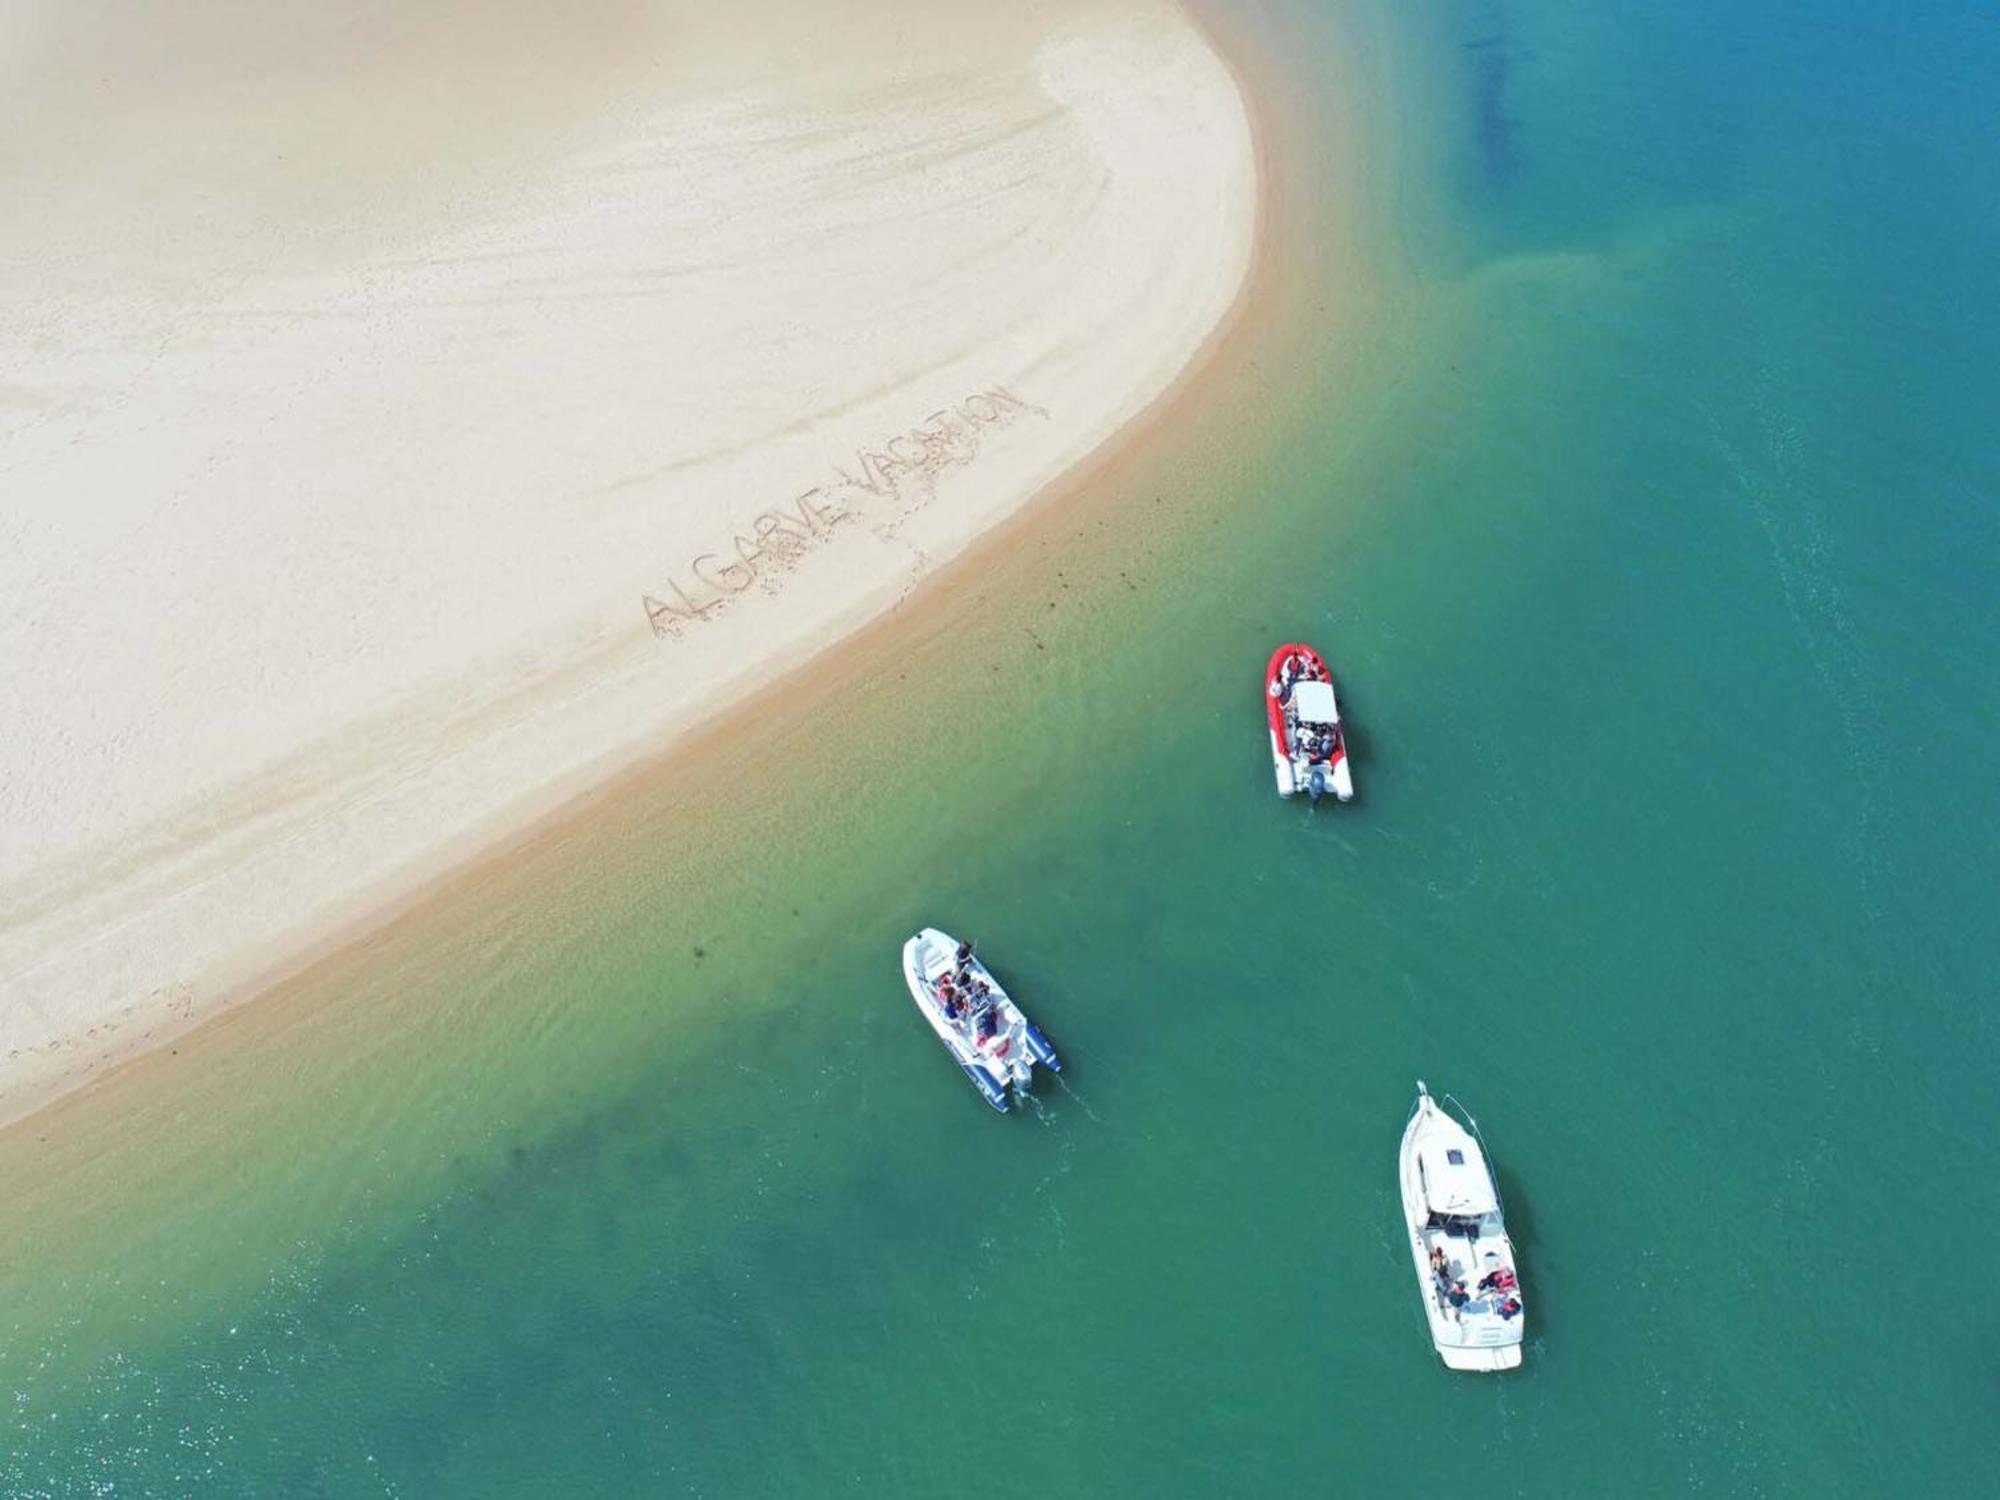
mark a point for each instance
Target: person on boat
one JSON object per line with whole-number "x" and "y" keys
{"x": 1510, "y": 1309}
{"x": 964, "y": 954}
{"x": 1501, "y": 1280}
{"x": 1440, "y": 1267}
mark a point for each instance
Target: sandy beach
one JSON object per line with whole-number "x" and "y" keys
{"x": 407, "y": 419}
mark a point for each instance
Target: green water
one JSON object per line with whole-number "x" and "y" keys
{"x": 1626, "y": 436}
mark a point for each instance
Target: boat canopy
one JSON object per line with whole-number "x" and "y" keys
{"x": 1314, "y": 701}
{"x": 1455, "y": 1178}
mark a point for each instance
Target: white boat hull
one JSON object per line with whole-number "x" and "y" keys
{"x": 998, "y": 1060}
{"x": 1472, "y": 1335}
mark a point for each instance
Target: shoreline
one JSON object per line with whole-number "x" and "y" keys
{"x": 854, "y": 641}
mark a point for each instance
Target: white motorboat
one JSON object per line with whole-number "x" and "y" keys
{"x": 1458, "y": 1242}
{"x": 993, "y": 1043}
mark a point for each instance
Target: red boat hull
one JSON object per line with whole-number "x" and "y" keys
{"x": 1305, "y": 662}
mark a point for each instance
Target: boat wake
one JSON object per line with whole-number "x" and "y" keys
{"x": 1081, "y": 1103}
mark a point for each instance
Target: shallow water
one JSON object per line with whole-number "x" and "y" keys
{"x": 1624, "y": 434}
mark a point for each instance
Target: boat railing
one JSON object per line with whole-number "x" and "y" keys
{"x": 1492, "y": 1175}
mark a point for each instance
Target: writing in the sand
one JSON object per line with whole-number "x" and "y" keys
{"x": 776, "y": 538}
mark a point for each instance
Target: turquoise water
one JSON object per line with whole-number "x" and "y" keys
{"x": 1627, "y": 439}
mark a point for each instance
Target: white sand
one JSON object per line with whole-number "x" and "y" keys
{"x": 364, "y": 365}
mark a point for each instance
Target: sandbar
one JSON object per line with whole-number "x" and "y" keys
{"x": 410, "y": 414}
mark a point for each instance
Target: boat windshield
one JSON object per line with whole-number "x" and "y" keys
{"x": 1460, "y": 1224}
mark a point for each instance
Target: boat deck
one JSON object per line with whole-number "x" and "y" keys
{"x": 1466, "y": 1263}
{"x": 938, "y": 961}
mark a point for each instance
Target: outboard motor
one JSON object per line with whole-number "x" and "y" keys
{"x": 1316, "y": 784}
